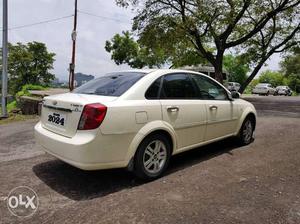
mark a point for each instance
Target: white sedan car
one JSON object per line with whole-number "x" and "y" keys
{"x": 138, "y": 119}
{"x": 263, "y": 89}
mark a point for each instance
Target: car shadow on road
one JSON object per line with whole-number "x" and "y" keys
{"x": 81, "y": 185}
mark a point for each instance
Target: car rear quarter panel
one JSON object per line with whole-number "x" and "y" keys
{"x": 147, "y": 130}
{"x": 126, "y": 124}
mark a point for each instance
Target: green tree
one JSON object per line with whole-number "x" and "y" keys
{"x": 125, "y": 50}
{"x": 236, "y": 67}
{"x": 29, "y": 64}
{"x": 212, "y": 27}
{"x": 290, "y": 66}
{"x": 272, "y": 77}
{"x": 294, "y": 82}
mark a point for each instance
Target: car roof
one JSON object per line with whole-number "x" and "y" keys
{"x": 147, "y": 71}
{"x": 263, "y": 83}
{"x": 160, "y": 71}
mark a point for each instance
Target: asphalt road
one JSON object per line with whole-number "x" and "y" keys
{"x": 219, "y": 183}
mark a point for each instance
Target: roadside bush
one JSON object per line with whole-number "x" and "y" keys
{"x": 11, "y": 106}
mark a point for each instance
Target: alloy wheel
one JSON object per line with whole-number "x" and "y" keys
{"x": 155, "y": 156}
{"x": 247, "y": 131}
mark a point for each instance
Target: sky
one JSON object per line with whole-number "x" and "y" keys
{"x": 91, "y": 57}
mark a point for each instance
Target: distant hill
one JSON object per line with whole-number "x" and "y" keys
{"x": 81, "y": 78}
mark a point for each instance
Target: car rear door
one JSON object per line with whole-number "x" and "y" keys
{"x": 222, "y": 113}
{"x": 182, "y": 109}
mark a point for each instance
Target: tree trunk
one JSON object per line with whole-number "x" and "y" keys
{"x": 219, "y": 68}
{"x": 252, "y": 75}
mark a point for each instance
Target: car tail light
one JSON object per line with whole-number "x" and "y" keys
{"x": 92, "y": 116}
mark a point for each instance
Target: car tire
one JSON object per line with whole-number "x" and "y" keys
{"x": 267, "y": 94}
{"x": 245, "y": 135}
{"x": 152, "y": 157}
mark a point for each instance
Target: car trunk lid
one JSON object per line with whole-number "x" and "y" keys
{"x": 61, "y": 113}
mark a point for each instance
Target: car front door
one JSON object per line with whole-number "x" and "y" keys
{"x": 182, "y": 109}
{"x": 222, "y": 113}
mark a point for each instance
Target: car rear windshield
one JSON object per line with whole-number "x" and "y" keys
{"x": 262, "y": 84}
{"x": 112, "y": 84}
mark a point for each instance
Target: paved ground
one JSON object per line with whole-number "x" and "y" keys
{"x": 220, "y": 183}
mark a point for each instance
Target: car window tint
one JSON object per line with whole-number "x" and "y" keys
{"x": 153, "y": 90}
{"x": 178, "y": 86}
{"x": 208, "y": 89}
{"x": 113, "y": 84}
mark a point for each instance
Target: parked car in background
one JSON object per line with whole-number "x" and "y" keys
{"x": 263, "y": 89}
{"x": 138, "y": 119}
{"x": 233, "y": 86}
{"x": 283, "y": 90}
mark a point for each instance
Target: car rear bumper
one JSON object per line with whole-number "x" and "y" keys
{"x": 81, "y": 151}
{"x": 282, "y": 92}
{"x": 259, "y": 91}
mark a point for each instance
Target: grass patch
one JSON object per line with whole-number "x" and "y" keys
{"x": 17, "y": 117}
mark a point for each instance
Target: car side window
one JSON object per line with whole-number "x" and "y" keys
{"x": 178, "y": 86}
{"x": 208, "y": 89}
{"x": 153, "y": 90}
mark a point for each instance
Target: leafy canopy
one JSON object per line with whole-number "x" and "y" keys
{"x": 236, "y": 67}
{"x": 291, "y": 68}
{"x": 125, "y": 50}
{"x": 254, "y": 29}
{"x": 291, "y": 63}
{"x": 29, "y": 64}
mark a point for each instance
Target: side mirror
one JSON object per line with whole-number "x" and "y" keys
{"x": 235, "y": 95}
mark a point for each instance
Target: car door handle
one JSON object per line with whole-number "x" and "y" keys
{"x": 213, "y": 107}
{"x": 172, "y": 109}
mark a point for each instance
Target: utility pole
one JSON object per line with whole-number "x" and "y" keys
{"x": 4, "y": 62}
{"x": 72, "y": 64}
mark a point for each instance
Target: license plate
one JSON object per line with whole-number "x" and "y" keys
{"x": 57, "y": 119}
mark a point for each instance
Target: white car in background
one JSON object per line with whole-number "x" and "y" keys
{"x": 139, "y": 119}
{"x": 283, "y": 90}
{"x": 233, "y": 86}
{"x": 263, "y": 89}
